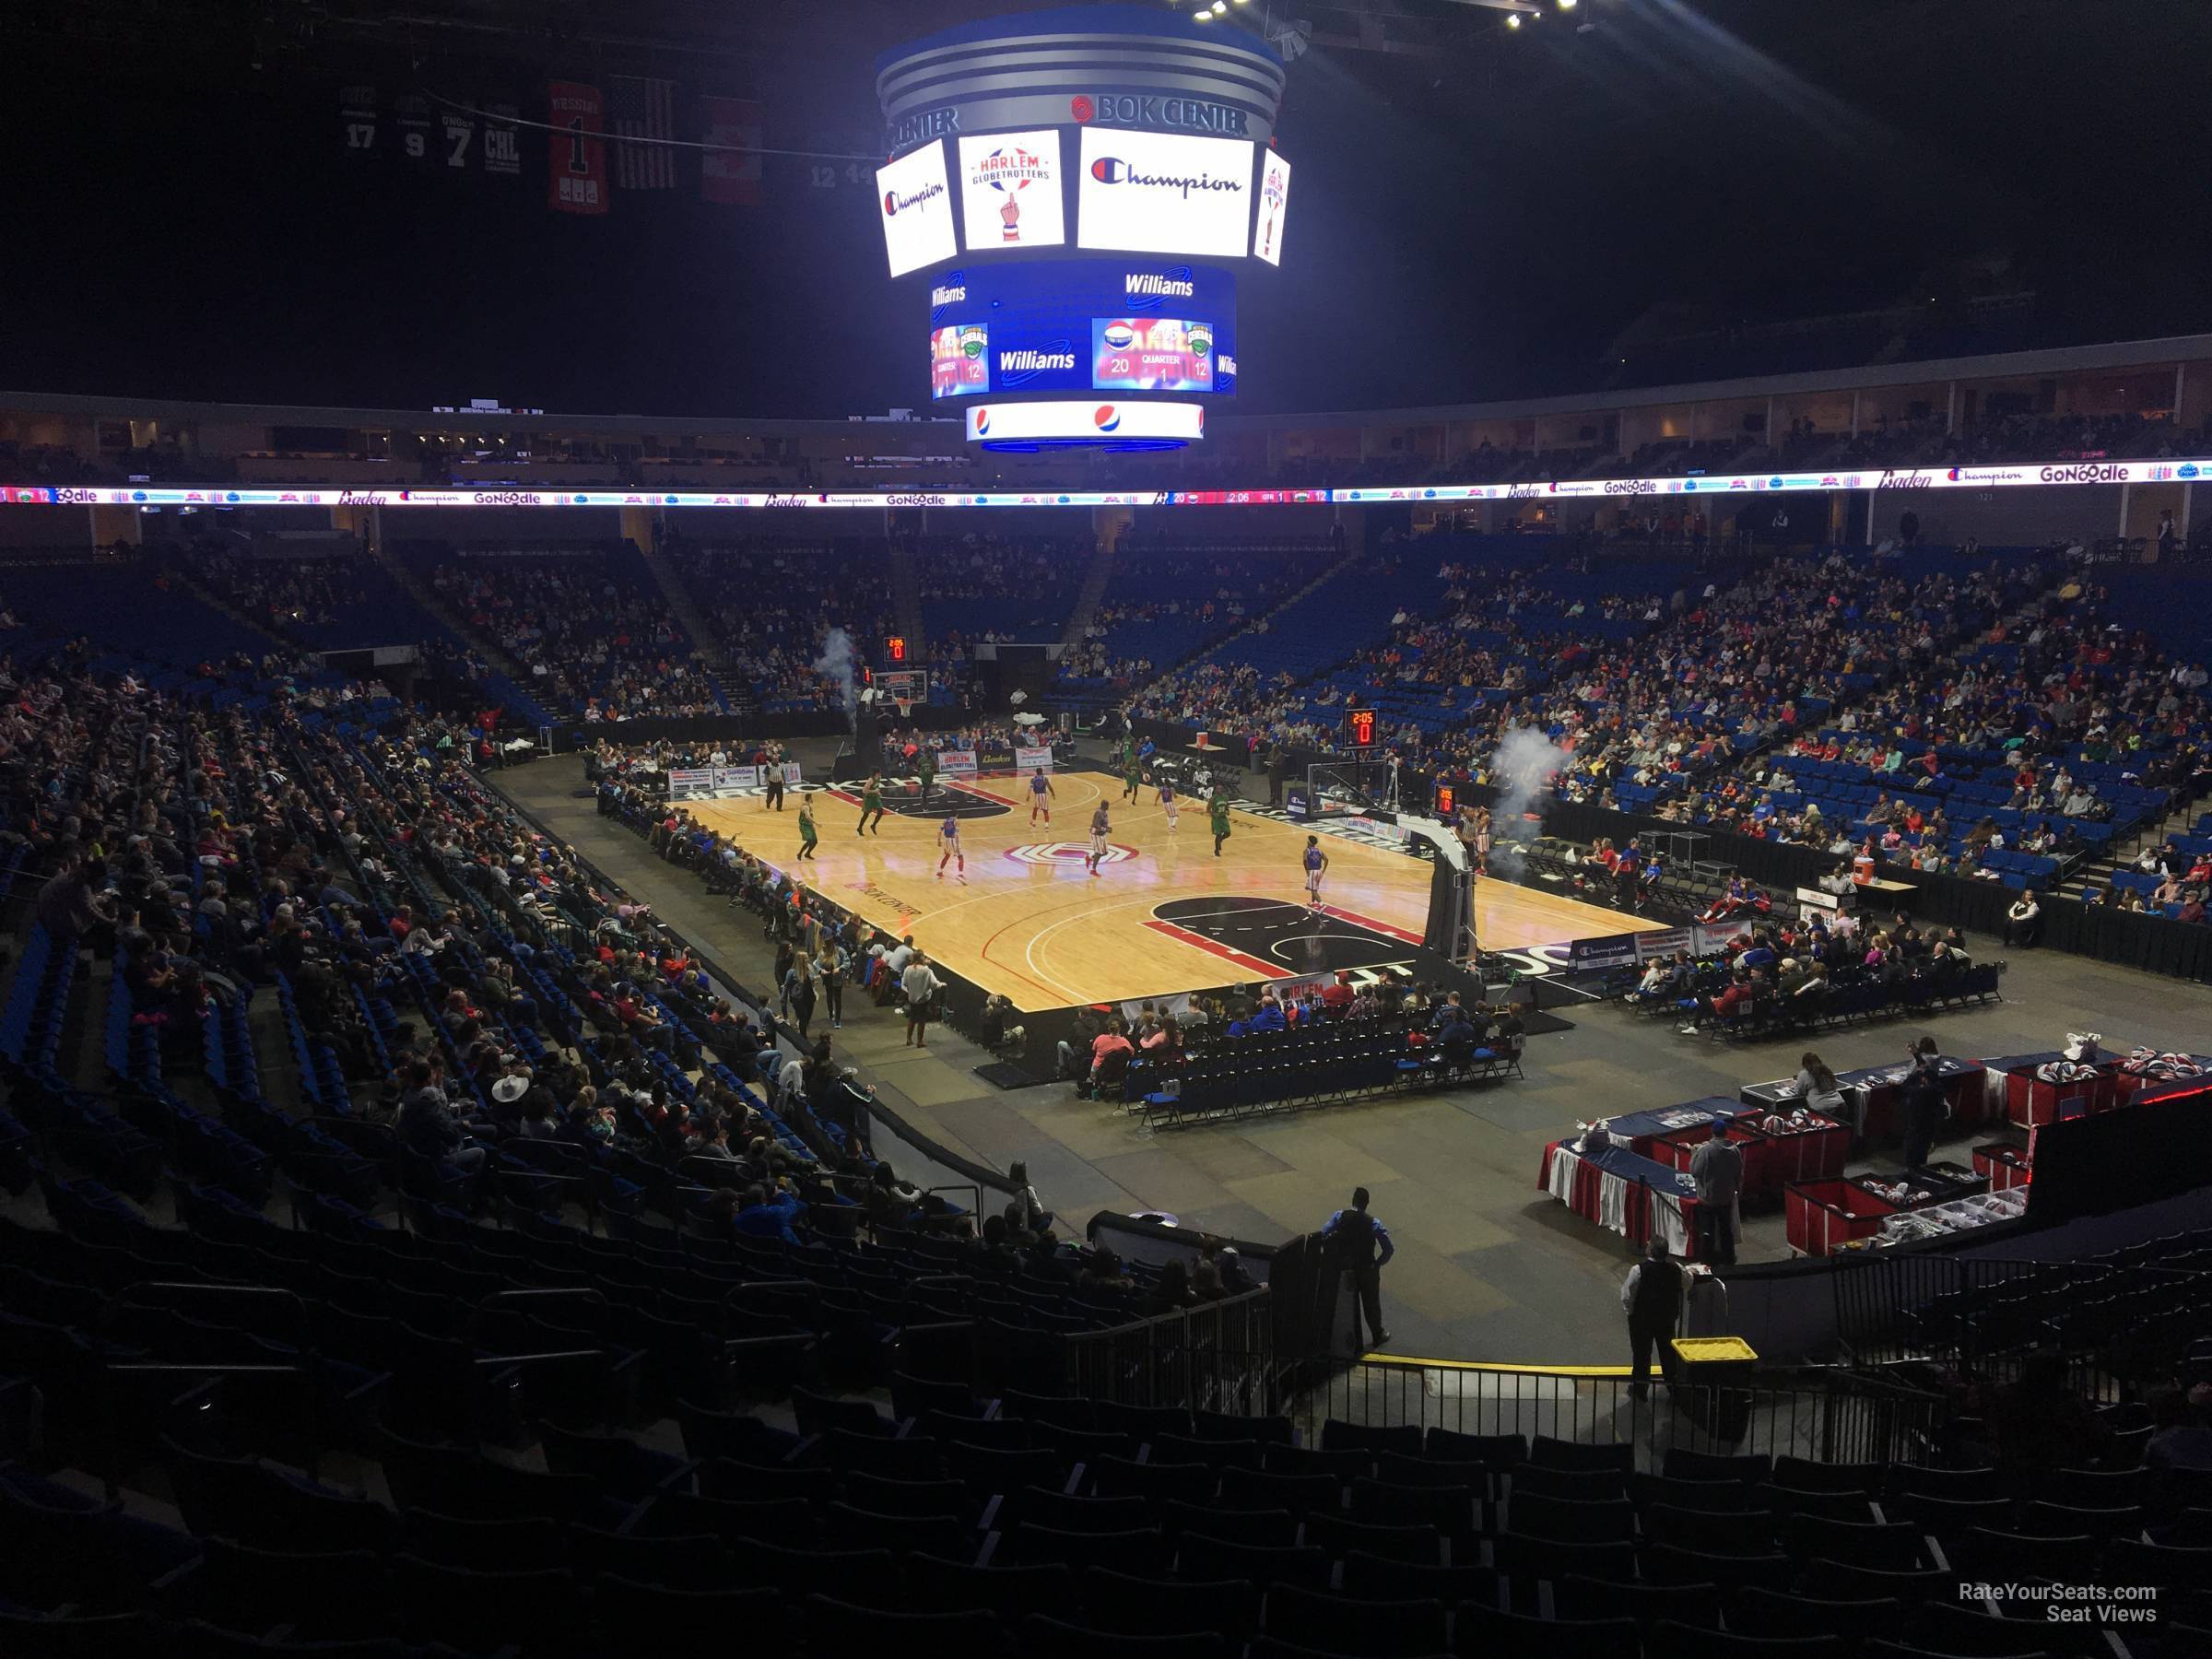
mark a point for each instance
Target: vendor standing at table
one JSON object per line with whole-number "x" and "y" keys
{"x": 1925, "y": 1104}
{"x": 1717, "y": 1168}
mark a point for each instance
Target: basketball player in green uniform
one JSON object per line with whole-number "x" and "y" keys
{"x": 871, "y": 804}
{"x": 808, "y": 836}
{"x": 927, "y": 766}
{"x": 1133, "y": 774}
{"x": 1218, "y": 810}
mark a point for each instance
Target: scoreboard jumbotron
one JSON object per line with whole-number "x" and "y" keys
{"x": 1099, "y": 173}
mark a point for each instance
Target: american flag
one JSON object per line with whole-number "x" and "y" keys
{"x": 643, "y": 108}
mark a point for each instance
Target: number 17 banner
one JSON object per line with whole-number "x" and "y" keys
{"x": 576, "y": 150}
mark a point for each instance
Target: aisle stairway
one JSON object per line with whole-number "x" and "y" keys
{"x": 1089, "y": 600}
{"x": 730, "y": 688}
{"x": 509, "y": 678}
{"x": 906, "y": 596}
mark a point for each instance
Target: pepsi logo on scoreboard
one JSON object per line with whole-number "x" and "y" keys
{"x": 1073, "y": 420}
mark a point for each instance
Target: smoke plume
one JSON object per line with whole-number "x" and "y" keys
{"x": 837, "y": 663}
{"x": 1523, "y": 769}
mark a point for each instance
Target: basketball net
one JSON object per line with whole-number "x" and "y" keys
{"x": 906, "y": 706}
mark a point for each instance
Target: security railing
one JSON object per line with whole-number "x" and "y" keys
{"x": 1217, "y": 1356}
{"x": 1828, "y": 1414}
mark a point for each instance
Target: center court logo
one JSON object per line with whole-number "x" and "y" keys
{"x": 1052, "y": 854}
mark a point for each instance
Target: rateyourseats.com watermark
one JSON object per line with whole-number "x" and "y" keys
{"x": 2068, "y": 1604}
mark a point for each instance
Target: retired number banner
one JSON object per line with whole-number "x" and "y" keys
{"x": 576, "y": 151}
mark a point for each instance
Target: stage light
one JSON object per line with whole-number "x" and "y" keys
{"x": 1566, "y": 4}
{"x": 1513, "y": 19}
{"x": 1220, "y": 7}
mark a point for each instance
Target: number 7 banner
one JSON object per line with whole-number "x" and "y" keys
{"x": 576, "y": 150}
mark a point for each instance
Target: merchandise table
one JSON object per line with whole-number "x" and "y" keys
{"x": 1626, "y": 1193}
{"x": 2012, "y": 1090}
{"x": 1879, "y": 1090}
{"x": 1770, "y": 1160}
{"x": 2004, "y": 1162}
{"x": 1820, "y": 1216}
{"x": 2129, "y": 1084}
{"x": 1644, "y": 1130}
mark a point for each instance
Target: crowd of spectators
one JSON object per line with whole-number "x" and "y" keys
{"x": 451, "y": 978}
{"x": 591, "y": 631}
{"x": 979, "y": 588}
{"x": 2021, "y": 751}
{"x": 774, "y": 603}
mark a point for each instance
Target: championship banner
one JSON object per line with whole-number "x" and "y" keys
{"x": 576, "y": 155}
{"x": 730, "y": 174}
{"x": 956, "y": 763}
{"x": 1032, "y": 760}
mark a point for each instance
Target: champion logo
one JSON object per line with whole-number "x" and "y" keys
{"x": 1106, "y": 417}
{"x": 1112, "y": 170}
{"x": 895, "y": 204}
{"x": 1052, "y": 853}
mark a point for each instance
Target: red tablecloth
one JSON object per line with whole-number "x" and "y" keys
{"x": 2032, "y": 1102}
{"x": 2003, "y": 1172}
{"x": 1818, "y": 1216}
{"x": 1771, "y": 1161}
{"x": 1624, "y": 1193}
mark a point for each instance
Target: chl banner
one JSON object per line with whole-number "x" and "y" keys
{"x": 576, "y": 172}
{"x": 730, "y": 174}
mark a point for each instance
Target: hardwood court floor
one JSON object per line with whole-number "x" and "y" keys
{"x": 1165, "y": 915}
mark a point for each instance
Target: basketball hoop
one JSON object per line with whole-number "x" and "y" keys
{"x": 906, "y": 707}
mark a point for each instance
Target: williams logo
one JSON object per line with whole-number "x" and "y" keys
{"x": 1112, "y": 170}
{"x": 1162, "y": 284}
{"x": 894, "y": 204}
{"x": 948, "y": 294}
{"x": 1017, "y": 368}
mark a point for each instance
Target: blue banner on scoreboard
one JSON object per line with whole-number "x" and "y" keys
{"x": 1044, "y": 319}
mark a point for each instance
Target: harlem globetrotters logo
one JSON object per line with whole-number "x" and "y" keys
{"x": 1072, "y": 853}
{"x": 1009, "y": 170}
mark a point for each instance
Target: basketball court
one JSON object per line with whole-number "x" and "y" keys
{"x": 1163, "y": 915}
